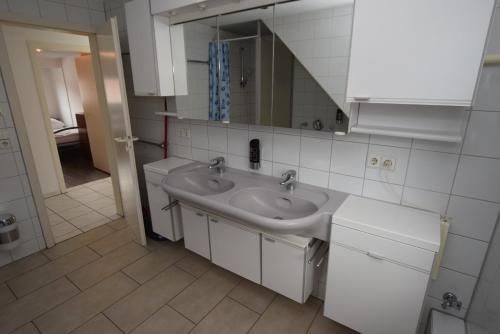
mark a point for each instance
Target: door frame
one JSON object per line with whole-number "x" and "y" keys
{"x": 20, "y": 123}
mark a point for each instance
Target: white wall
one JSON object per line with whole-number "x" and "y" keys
{"x": 56, "y": 94}
{"x": 13, "y": 176}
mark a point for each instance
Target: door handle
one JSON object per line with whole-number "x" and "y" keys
{"x": 375, "y": 255}
{"x": 120, "y": 139}
{"x": 135, "y": 138}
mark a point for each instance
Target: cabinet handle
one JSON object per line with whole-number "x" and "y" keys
{"x": 199, "y": 214}
{"x": 375, "y": 256}
{"x": 269, "y": 239}
{"x": 214, "y": 220}
{"x": 170, "y": 205}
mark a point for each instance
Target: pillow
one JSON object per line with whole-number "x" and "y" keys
{"x": 56, "y": 124}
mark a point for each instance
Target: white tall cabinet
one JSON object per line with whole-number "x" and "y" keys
{"x": 156, "y": 52}
{"x": 417, "y": 52}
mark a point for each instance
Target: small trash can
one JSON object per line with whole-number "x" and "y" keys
{"x": 9, "y": 231}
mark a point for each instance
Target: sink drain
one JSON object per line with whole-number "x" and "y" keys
{"x": 278, "y": 217}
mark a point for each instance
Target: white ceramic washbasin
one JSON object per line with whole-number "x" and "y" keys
{"x": 272, "y": 204}
{"x": 200, "y": 183}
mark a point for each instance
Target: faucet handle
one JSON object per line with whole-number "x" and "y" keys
{"x": 217, "y": 160}
{"x": 289, "y": 173}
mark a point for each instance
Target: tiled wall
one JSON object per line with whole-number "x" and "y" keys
{"x": 15, "y": 192}
{"x": 484, "y": 313}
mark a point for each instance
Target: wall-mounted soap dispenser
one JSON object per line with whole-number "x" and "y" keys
{"x": 254, "y": 154}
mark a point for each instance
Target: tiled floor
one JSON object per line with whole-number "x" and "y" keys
{"x": 82, "y": 208}
{"x": 102, "y": 281}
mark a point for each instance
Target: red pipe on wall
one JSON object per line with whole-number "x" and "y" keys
{"x": 165, "y": 133}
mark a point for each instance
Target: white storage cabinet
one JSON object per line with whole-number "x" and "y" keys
{"x": 235, "y": 248}
{"x": 156, "y": 49}
{"x": 196, "y": 236}
{"x": 417, "y": 52}
{"x": 379, "y": 265}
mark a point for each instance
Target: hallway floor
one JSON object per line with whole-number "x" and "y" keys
{"x": 78, "y": 167}
{"x": 102, "y": 281}
{"x": 82, "y": 208}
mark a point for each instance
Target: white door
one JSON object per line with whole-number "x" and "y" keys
{"x": 106, "y": 47}
{"x": 195, "y": 226}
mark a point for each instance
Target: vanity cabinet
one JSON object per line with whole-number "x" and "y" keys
{"x": 156, "y": 51}
{"x": 287, "y": 266}
{"x": 196, "y": 236}
{"x": 417, "y": 52}
{"x": 235, "y": 248}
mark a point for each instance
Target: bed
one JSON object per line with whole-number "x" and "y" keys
{"x": 65, "y": 135}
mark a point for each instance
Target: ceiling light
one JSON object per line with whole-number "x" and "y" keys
{"x": 38, "y": 50}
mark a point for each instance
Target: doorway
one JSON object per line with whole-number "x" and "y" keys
{"x": 72, "y": 82}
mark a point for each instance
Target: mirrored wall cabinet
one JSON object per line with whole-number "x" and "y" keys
{"x": 340, "y": 65}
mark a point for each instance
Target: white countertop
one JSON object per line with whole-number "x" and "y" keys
{"x": 407, "y": 225}
{"x": 166, "y": 165}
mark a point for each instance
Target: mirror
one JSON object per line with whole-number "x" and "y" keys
{"x": 283, "y": 66}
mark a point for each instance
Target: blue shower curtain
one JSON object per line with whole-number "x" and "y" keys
{"x": 219, "y": 90}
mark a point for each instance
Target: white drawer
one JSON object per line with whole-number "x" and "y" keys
{"x": 153, "y": 177}
{"x": 383, "y": 248}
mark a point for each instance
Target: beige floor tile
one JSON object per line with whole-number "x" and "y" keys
{"x": 112, "y": 241}
{"x": 284, "y": 316}
{"x": 254, "y": 296}
{"x": 200, "y": 297}
{"x": 83, "y": 307}
{"x": 150, "y": 265}
{"x": 62, "y": 229}
{"x": 323, "y": 325}
{"x": 79, "y": 241}
{"x": 96, "y": 271}
{"x": 165, "y": 321}
{"x": 228, "y": 317}
{"x": 132, "y": 310}
{"x": 22, "y": 266}
{"x": 98, "y": 325}
{"x": 118, "y": 224}
{"x": 6, "y": 296}
{"x": 194, "y": 264}
{"x": 55, "y": 219}
{"x": 89, "y": 218}
{"x": 51, "y": 271}
{"x": 101, "y": 202}
{"x": 60, "y": 203}
{"x": 64, "y": 237}
{"x": 92, "y": 226}
{"x": 79, "y": 192}
{"x": 108, "y": 211}
{"x": 75, "y": 212}
{"x": 29, "y": 328}
{"x": 31, "y": 306}
{"x": 91, "y": 198}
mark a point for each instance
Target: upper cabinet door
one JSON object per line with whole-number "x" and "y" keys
{"x": 417, "y": 51}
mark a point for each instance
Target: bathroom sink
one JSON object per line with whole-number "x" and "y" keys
{"x": 276, "y": 205}
{"x": 200, "y": 183}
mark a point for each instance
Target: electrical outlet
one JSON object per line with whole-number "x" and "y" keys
{"x": 388, "y": 163}
{"x": 4, "y": 144}
{"x": 374, "y": 161}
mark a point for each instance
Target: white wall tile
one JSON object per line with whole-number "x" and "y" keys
{"x": 52, "y": 10}
{"x": 25, "y": 249}
{"x": 217, "y": 139}
{"x": 78, "y": 3}
{"x": 473, "y": 218}
{"x": 214, "y": 154}
{"x": 199, "y": 136}
{"x": 483, "y": 134}
{"x": 488, "y": 87}
{"x": 266, "y": 168}
{"x": 238, "y": 142}
{"x": 348, "y": 184}
{"x": 286, "y": 149}
{"x": 464, "y": 255}
{"x": 96, "y": 4}
{"x": 97, "y": 17}
{"x": 478, "y": 178}
{"x": 17, "y": 207}
{"x": 9, "y": 167}
{"x": 382, "y": 191}
{"x": 431, "y": 170}
{"x": 437, "y": 146}
{"x": 314, "y": 177}
{"x": 397, "y": 175}
{"x": 455, "y": 282}
{"x": 78, "y": 15}
{"x": 3, "y": 8}
{"x": 237, "y": 161}
{"x": 349, "y": 158}
{"x": 199, "y": 154}
{"x": 353, "y": 137}
{"x": 15, "y": 189}
{"x": 279, "y": 169}
{"x": 26, "y": 7}
{"x": 390, "y": 141}
{"x": 266, "y": 143}
{"x": 315, "y": 153}
{"x": 424, "y": 199}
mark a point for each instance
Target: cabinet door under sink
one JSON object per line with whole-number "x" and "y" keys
{"x": 235, "y": 248}
{"x": 195, "y": 227}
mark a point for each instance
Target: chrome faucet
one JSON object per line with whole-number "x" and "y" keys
{"x": 218, "y": 164}
{"x": 289, "y": 180}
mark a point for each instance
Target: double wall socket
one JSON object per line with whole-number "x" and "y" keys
{"x": 184, "y": 132}
{"x": 377, "y": 161}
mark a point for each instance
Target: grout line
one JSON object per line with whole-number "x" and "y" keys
{"x": 264, "y": 312}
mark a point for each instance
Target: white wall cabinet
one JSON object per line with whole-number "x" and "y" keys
{"x": 196, "y": 236}
{"x": 235, "y": 248}
{"x": 165, "y": 221}
{"x": 286, "y": 268}
{"x": 417, "y": 52}
{"x": 156, "y": 51}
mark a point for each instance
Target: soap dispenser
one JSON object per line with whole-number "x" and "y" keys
{"x": 254, "y": 154}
